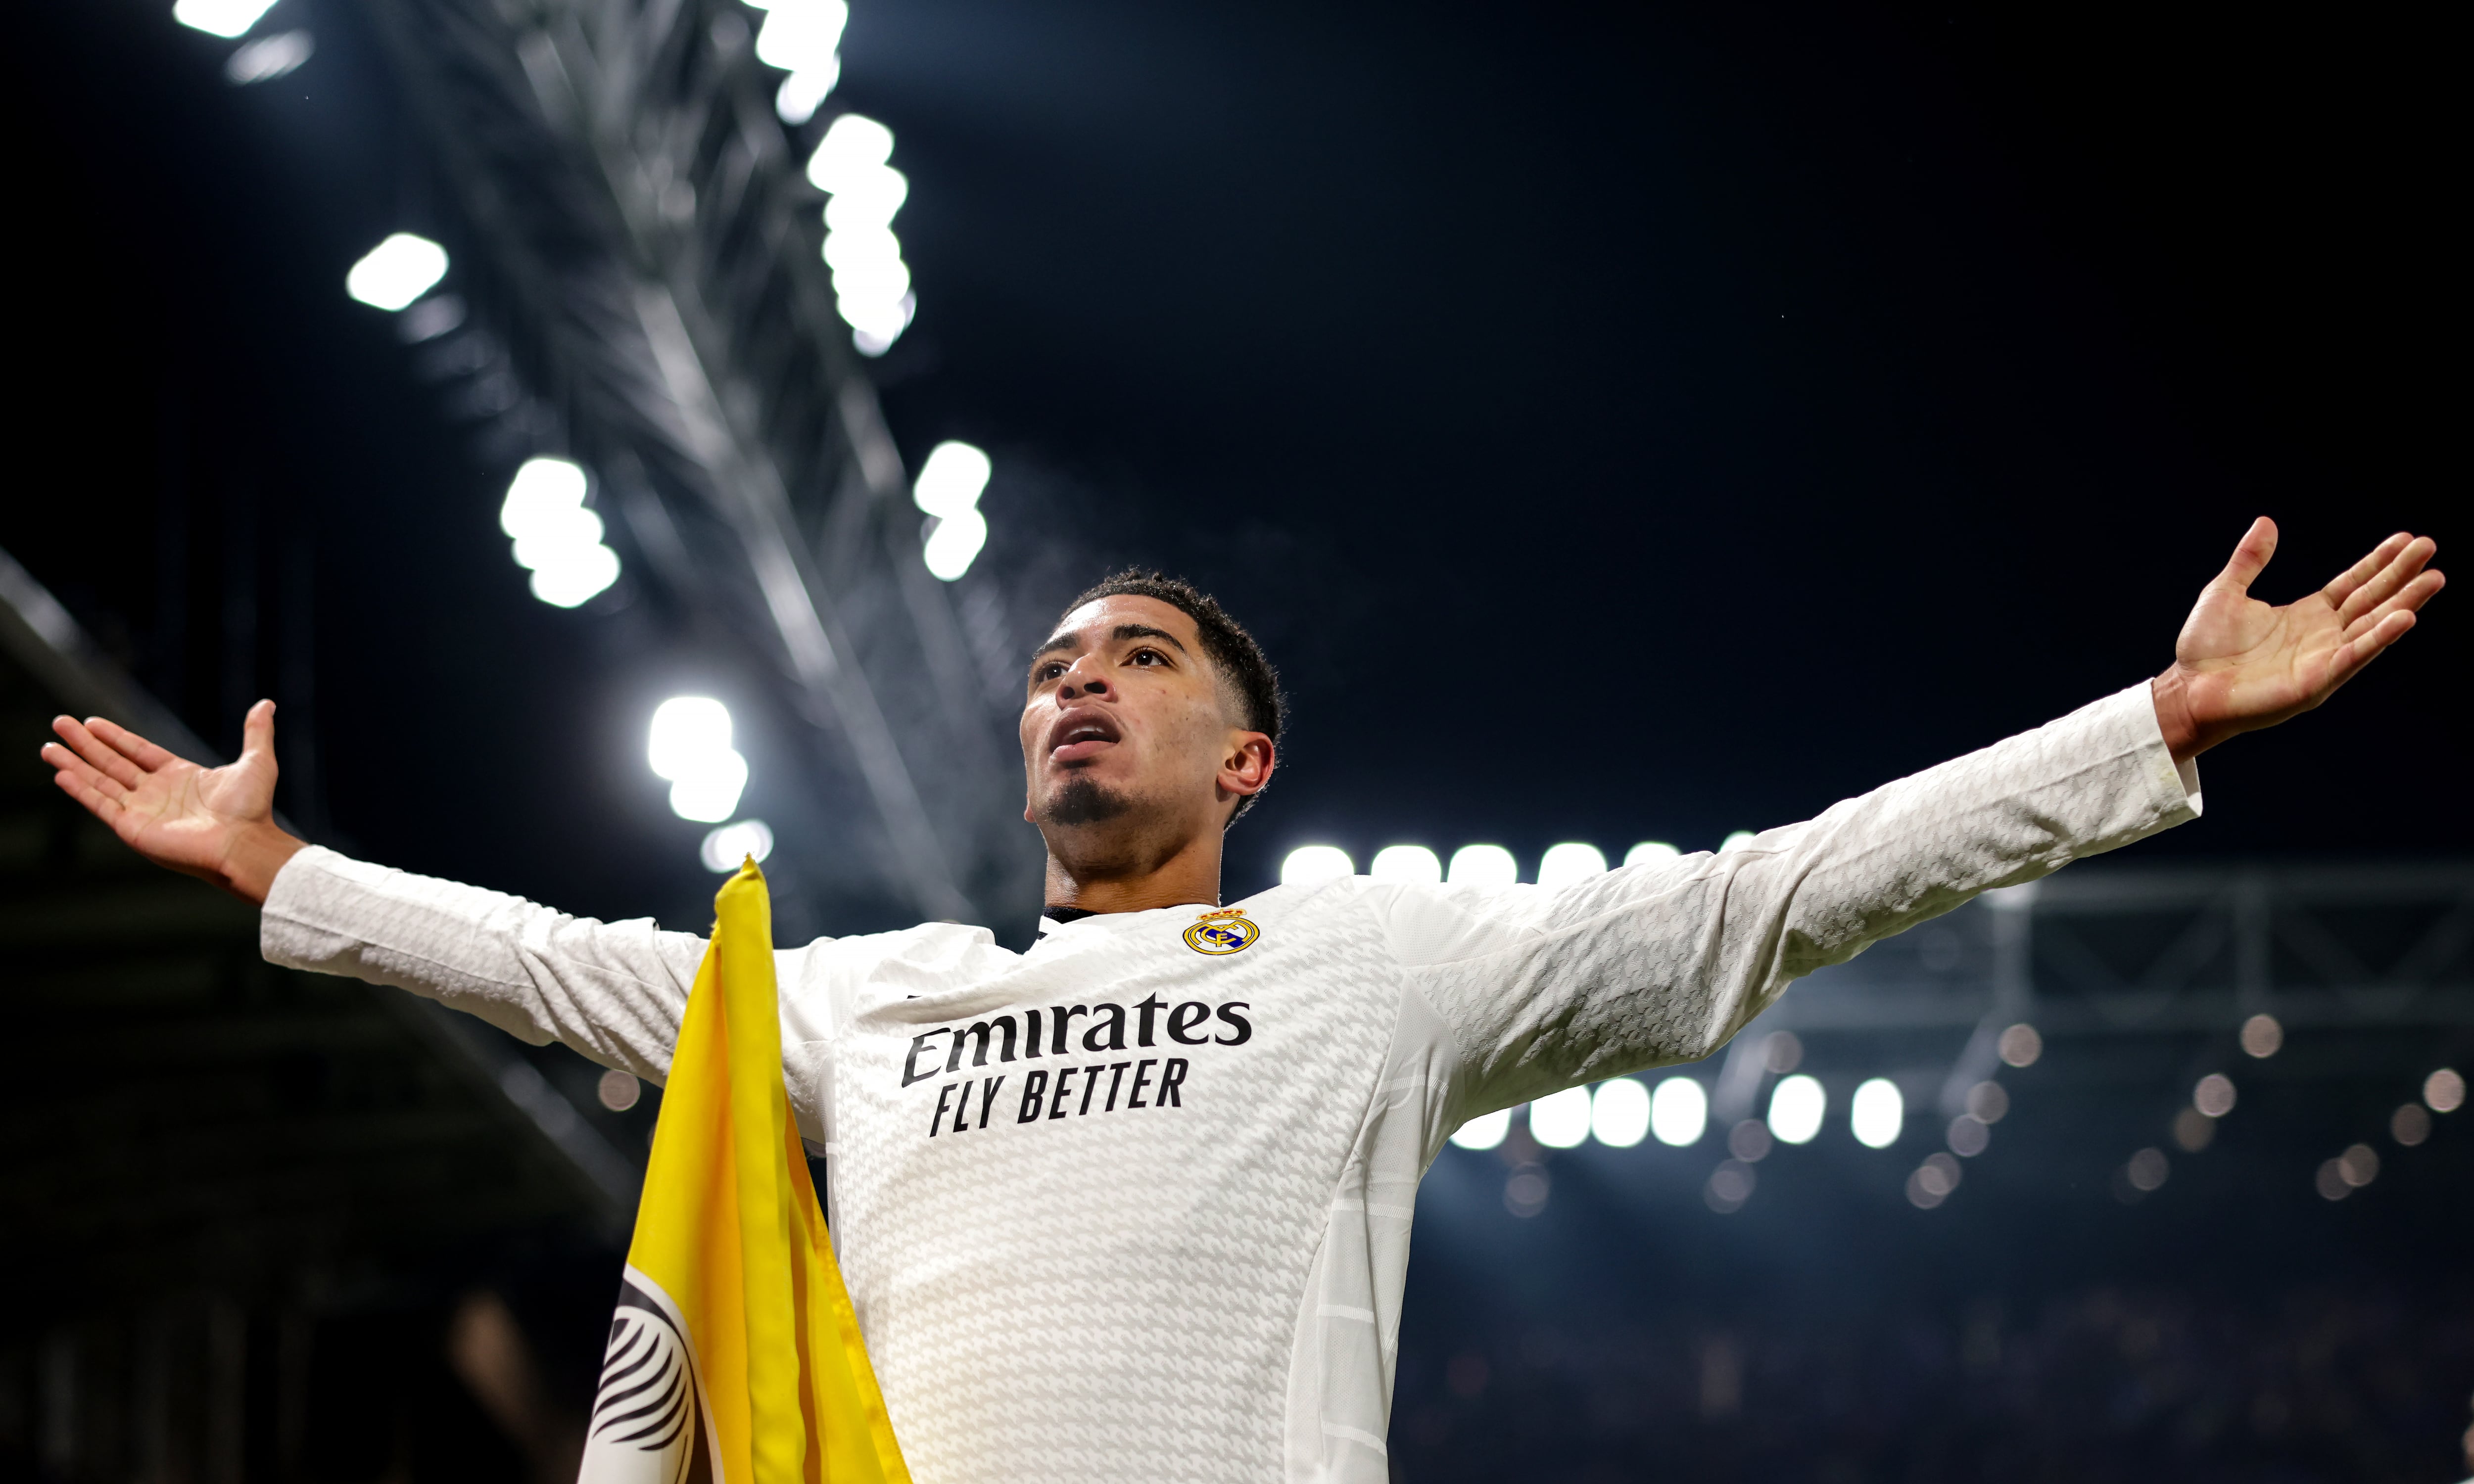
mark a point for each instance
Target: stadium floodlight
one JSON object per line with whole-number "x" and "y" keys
{"x": 1650, "y": 850}
{"x": 543, "y": 490}
{"x": 711, "y": 793}
{"x": 879, "y": 279}
{"x": 554, "y": 535}
{"x": 685, "y": 731}
{"x": 725, "y": 848}
{"x": 269, "y": 58}
{"x": 951, "y": 479}
{"x": 228, "y": 20}
{"x": 1483, "y": 865}
{"x": 802, "y": 35}
{"x": 1564, "y": 864}
{"x": 1678, "y": 1112}
{"x": 867, "y": 200}
{"x": 1736, "y": 841}
{"x": 396, "y": 271}
{"x": 1562, "y": 1120}
{"x": 1796, "y": 1107}
{"x": 1406, "y": 863}
{"x": 953, "y": 543}
{"x": 1878, "y": 1113}
{"x": 1619, "y": 1112}
{"x": 875, "y": 323}
{"x": 853, "y": 146}
{"x": 1309, "y": 864}
{"x": 575, "y": 575}
{"x": 861, "y": 247}
{"x": 1486, "y": 1131}
{"x": 802, "y": 92}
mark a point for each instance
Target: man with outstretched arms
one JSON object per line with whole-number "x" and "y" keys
{"x": 1135, "y": 1204}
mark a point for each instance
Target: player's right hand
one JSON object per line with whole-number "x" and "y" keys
{"x": 215, "y": 824}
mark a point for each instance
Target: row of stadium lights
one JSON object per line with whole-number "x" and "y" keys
{"x": 1474, "y": 865}
{"x": 2194, "y": 1125}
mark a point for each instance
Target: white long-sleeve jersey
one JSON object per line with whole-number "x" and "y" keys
{"x": 1135, "y": 1204}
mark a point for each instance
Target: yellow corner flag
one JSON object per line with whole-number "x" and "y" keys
{"x": 735, "y": 1355}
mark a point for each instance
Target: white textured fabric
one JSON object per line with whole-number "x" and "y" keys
{"x": 1188, "y": 1265}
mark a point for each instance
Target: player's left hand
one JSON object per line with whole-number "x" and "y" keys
{"x": 2241, "y": 664}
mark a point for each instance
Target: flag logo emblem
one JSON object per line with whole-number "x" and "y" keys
{"x": 1222, "y": 933}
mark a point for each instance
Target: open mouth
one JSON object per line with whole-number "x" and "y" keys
{"x": 1081, "y": 734}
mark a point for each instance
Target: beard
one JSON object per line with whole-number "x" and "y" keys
{"x": 1081, "y": 801}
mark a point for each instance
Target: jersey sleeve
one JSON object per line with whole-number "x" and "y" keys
{"x": 1663, "y": 962}
{"x": 615, "y": 992}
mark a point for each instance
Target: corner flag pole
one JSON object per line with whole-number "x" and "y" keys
{"x": 734, "y": 1346}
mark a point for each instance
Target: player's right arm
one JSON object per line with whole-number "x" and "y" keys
{"x": 613, "y": 990}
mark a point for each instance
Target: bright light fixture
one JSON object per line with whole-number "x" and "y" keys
{"x": 1619, "y": 1112}
{"x": 1561, "y": 1120}
{"x": 711, "y": 793}
{"x": 1485, "y": 1130}
{"x": 867, "y": 200}
{"x": 552, "y": 535}
{"x": 725, "y": 848}
{"x": 951, "y": 479}
{"x": 853, "y": 146}
{"x": 1483, "y": 864}
{"x": 575, "y": 575}
{"x": 684, "y": 730}
{"x": 801, "y": 35}
{"x": 1876, "y": 1113}
{"x": 1678, "y": 1112}
{"x": 1796, "y": 1107}
{"x": 1736, "y": 841}
{"x": 395, "y": 271}
{"x": 1650, "y": 850}
{"x": 953, "y": 543}
{"x": 1564, "y": 864}
{"x": 862, "y": 247}
{"x": 802, "y": 92}
{"x": 225, "y": 18}
{"x": 1406, "y": 863}
{"x": 557, "y": 539}
{"x": 1309, "y": 864}
{"x": 543, "y": 490}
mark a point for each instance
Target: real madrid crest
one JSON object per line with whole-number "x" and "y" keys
{"x": 1222, "y": 933}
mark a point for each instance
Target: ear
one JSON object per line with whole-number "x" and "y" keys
{"x": 1245, "y": 768}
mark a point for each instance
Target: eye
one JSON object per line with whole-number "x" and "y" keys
{"x": 1049, "y": 671}
{"x": 1149, "y": 657}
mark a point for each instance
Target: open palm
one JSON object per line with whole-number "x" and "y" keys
{"x": 168, "y": 808}
{"x": 2241, "y": 664}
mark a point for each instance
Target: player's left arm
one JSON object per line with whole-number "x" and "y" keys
{"x": 1663, "y": 962}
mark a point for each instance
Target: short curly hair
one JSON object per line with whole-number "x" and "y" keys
{"x": 1244, "y": 669}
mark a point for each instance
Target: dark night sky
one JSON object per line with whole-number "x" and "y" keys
{"x": 1618, "y": 425}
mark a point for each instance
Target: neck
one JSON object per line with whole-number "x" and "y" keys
{"x": 1187, "y": 875}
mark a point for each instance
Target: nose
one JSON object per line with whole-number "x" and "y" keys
{"x": 1086, "y": 679}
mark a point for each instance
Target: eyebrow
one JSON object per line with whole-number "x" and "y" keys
{"x": 1122, "y": 632}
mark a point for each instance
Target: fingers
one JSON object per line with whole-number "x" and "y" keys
{"x": 2358, "y": 653}
{"x": 257, "y": 729}
{"x": 128, "y": 744}
{"x": 2344, "y": 584}
{"x": 2250, "y": 555}
{"x": 108, "y": 761}
{"x": 84, "y": 785}
{"x": 2386, "y": 583}
{"x": 2411, "y": 599}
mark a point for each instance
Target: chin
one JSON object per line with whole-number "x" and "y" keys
{"x": 1083, "y": 800}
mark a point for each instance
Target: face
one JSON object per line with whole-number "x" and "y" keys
{"x": 1126, "y": 724}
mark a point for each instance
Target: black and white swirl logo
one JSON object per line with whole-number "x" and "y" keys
{"x": 644, "y": 1428}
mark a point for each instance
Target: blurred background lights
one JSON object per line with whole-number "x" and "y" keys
{"x": 726, "y": 848}
{"x": 802, "y": 37}
{"x": 269, "y": 58}
{"x": 2020, "y": 1045}
{"x": 619, "y": 1090}
{"x": 1736, "y": 841}
{"x": 1878, "y": 1113}
{"x": 1485, "y": 1130}
{"x": 689, "y": 745}
{"x": 396, "y": 271}
{"x": 851, "y": 165}
{"x": 557, "y": 539}
{"x": 1561, "y": 1121}
{"x": 1750, "y": 1141}
{"x": 1796, "y": 1107}
{"x": 1309, "y": 864}
{"x": 948, "y": 489}
{"x": 1730, "y": 1185}
{"x": 2444, "y": 1091}
{"x": 1406, "y": 863}
{"x": 2409, "y": 1125}
{"x": 2214, "y": 1095}
{"x": 1933, "y": 1180}
{"x": 225, "y": 18}
{"x": 2193, "y": 1130}
{"x": 2359, "y": 1166}
{"x": 1564, "y": 864}
{"x": 1650, "y": 851}
{"x": 1678, "y": 1112}
{"x": 1989, "y": 1101}
{"x": 1968, "y": 1136}
{"x": 1619, "y": 1112}
{"x": 2262, "y": 1036}
{"x": 2148, "y": 1169}
{"x": 1483, "y": 864}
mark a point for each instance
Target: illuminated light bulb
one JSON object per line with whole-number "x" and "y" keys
{"x": 1486, "y": 1131}
{"x": 1483, "y": 864}
{"x": 225, "y": 18}
{"x": 1619, "y": 1112}
{"x": 1796, "y": 1108}
{"x": 853, "y": 145}
{"x": 396, "y": 271}
{"x": 1310, "y": 864}
{"x": 1406, "y": 863}
{"x": 725, "y": 848}
{"x": 575, "y": 575}
{"x": 1562, "y": 1120}
{"x": 952, "y": 545}
{"x": 1566, "y": 864}
{"x": 1649, "y": 852}
{"x": 802, "y": 35}
{"x": 951, "y": 479}
{"x": 1878, "y": 1113}
{"x": 1678, "y": 1112}
{"x": 686, "y": 728}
